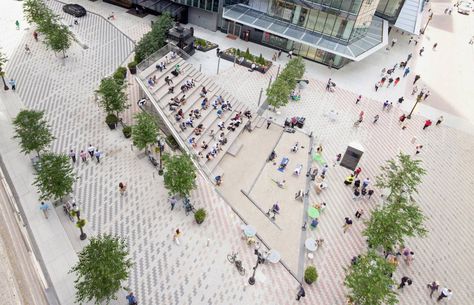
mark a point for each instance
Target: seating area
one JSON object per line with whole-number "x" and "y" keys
{"x": 208, "y": 120}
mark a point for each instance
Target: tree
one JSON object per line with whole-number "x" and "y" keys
{"x": 370, "y": 281}
{"x": 393, "y": 223}
{"x": 59, "y": 38}
{"x": 32, "y": 130}
{"x": 155, "y": 39}
{"x": 3, "y": 61}
{"x": 35, "y": 11}
{"x": 102, "y": 267}
{"x": 401, "y": 176}
{"x": 180, "y": 175}
{"x": 112, "y": 96}
{"x": 145, "y": 131}
{"x": 54, "y": 177}
{"x": 279, "y": 91}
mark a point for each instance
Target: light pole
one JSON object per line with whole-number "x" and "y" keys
{"x": 428, "y": 22}
{"x": 418, "y": 99}
{"x": 260, "y": 260}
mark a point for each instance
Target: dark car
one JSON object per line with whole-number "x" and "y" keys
{"x": 74, "y": 9}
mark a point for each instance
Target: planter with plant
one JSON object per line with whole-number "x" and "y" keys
{"x": 204, "y": 45}
{"x": 111, "y": 120}
{"x": 127, "y": 131}
{"x": 132, "y": 67}
{"x": 310, "y": 275}
{"x": 200, "y": 215}
{"x": 80, "y": 224}
{"x": 246, "y": 59}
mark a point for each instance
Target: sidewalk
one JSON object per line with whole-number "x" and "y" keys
{"x": 57, "y": 253}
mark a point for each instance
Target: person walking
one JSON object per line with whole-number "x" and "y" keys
{"x": 72, "y": 155}
{"x": 418, "y": 149}
{"x": 427, "y": 124}
{"x": 414, "y": 90}
{"x": 394, "y": 41}
{"x": 290, "y": 54}
{"x": 91, "y": 150}
{"x": 132, "y": 300}
{"x": 44, "y": 207}
{"x": 356, "y": 194}
{"x": 440, "y": 120}
{"x": 390, "y": 81}
{"x": 359, "y": 213}
{"x": 301, "y": 293}
{"x": 428, "y": 93}
{"x": 17, "y": 24}
{"x": 359, "y": 98}
{"x": 12, "y": 83}
{"x": 421, "y": 51}
{"x": 279, "y": 53}
{"x": 361, "y": 116}
{"x": 97, "y": 155}
{"x": 434, "y": 46}
{"x": 83, "y": 156}
{"x": 122, "y": 188}
{"x": 347, "y": 224}
{"x": 396, "y": 81}
{"x": 172, "y": 200}
{"x": 337, "y": 160}
{"x": 402, "y": 118}
{"x": 365, "y": 183}
{"x": 405, "y": 281}
{"x": 269, "y": 122}
{"x": 410, "y": 40}
{"x": 27, "y": 49}
{"x": 35, "y": 36}
{"x": 377, "y": 85}
{"x": 357, "y": 172}
{"x": 409, "y": 56}
{"x": 400, "y": 100}
{"x": 385, "y": 105}
{"x": 445, "y": 293}
{"x": 417, "y": 77}
{"x": 434, "y": 286}
{"x": 382, "y": 81}
{"x": 176, "y": 236}
{"x": 376, "y": 118}
{"x": 406, "y": 72}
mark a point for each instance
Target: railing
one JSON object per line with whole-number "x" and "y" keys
{"x": 150, "y": 60}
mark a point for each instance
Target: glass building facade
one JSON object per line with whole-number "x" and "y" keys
{"x": 328, "y": 31}
{"x": 389, "y": 9}
{"x": 208, "y": 5}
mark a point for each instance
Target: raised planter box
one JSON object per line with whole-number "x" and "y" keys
{"x": 204, "y": 45}
{"x": 229, "y": 55}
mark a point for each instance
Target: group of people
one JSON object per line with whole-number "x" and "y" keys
{"x": 91, "y": 152}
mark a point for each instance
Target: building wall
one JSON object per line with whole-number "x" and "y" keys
{"x": 202, "y": 18}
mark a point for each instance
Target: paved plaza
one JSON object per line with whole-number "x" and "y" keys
{"x": 197, "y": 271}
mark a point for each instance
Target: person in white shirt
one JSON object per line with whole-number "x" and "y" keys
{"x": 445, "y": 293}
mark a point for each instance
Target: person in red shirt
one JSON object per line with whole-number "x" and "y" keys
{"x": 357, "y": 172}
{"x": 427, "y": 124}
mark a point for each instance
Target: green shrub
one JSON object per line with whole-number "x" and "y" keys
{"x": 200, "y": 42}
{"x": 200, "y": 215}
{"x": 310, "y": 275}
{"x": 238, "y": 52}
{"x": 171, "y": 141}
{"x": 111, "y": 119}
{"x": 261, "y": 61}
{"x": 120, "y": 74}
{"x": 127, "y": 131}
{"x": 132, "y": 64}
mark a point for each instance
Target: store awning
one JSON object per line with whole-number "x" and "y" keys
{"x": 375, "y": 39}
{"x": 409, "y": 19}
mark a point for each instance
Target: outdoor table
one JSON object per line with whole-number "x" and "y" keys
{"x": 250, "y": 231}
{"x": 313, "y": 212}
{"x": 310, "y": 244}
{"x": 273, "y": 256}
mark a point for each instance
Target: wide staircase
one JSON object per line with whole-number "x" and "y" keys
{"x": 209, "y": 117}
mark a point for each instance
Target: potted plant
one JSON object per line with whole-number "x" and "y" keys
{"x": 111, "y": 120}
{"x": 200, "y": 215}
{"x": 127, "y": 131}
{"x": 310, "y": 275}
{"x": 80, "y": 224}
{"x": 132, "y": 67}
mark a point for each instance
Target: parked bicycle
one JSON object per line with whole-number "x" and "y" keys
{"x": 67, "y": 208}
{"x": 232, "y": 258}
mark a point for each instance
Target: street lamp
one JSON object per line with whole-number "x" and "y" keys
{"x": 260, "y": 260}
{"x": 428, "y": 22}
{"x": 161, "y": 146}
{"x": 418, "y": 99}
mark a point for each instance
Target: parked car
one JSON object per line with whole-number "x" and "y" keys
{"x": 74, "y": 9}
{"x": 465, "y": 7}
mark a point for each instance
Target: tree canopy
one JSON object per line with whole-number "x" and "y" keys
{"x": 180, "y": 174}
{"x": 112, "y": 96}
{"x": 102, "y": 267}
{"x": 370, "y": 281}
{"x": 145, "y": 131}
{"x": 155, "y": 39}
{"x": 59, "y": 38}
{"x": 33, "y": 131}
{"x": 54, "y": 177}
{"x": 279, "y": 91}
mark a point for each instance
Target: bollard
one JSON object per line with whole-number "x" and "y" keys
{"x": 218, "y": 64}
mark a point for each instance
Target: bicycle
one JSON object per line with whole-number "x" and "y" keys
{"x": 67, "y": 210}
{"x": 232, "y": 258}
